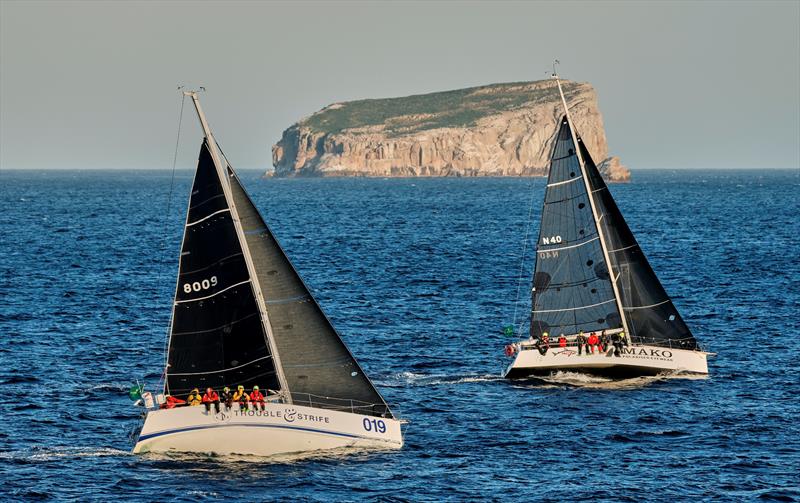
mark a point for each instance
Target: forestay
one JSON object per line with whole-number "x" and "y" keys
{"x": 572, "y": 288}
{"x": 216, "y": 338}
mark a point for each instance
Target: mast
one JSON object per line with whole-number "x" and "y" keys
{"x": 597, "y": 217}
{"x": 226, "y": 188}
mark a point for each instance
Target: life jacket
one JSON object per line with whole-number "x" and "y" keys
{"x": 194, "y": 399}
{"x": 593, "y": 340}
{"x": 214, "y": 397}
{"x": 171, "y": 402}
{"x": 256, "y": 396}
{"x": 562, "y": 342}
{"x": 241, "y": 396}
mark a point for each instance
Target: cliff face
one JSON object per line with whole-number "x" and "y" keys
{"x": 495, "y": 130}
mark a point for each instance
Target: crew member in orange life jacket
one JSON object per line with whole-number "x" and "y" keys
{"x": 257, "y": 398}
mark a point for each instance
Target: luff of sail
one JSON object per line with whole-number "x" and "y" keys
{"x": 572, "y": 289}
{"x": 652, "y": 317}
{"x": 216, "y": 335}
{"x": 319, "y": 369}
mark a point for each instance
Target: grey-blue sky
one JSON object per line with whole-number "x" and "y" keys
{"x": 681, "y": 84}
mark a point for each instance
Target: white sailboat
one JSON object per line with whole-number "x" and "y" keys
{"x": 243, "y": 316}
{"x": 592, "y": 277}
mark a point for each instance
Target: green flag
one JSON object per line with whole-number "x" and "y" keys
{"x": 508, "y": 330}
{"x": 136, "y": 392}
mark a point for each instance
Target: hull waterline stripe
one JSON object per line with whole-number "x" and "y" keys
{"x": 565, "y": 181}
{"x": 573, "y": 308}
{"x": 213, "y": 294}
{"x": 250, "y": 425}
{"x": 206, "y": 218}
{"x": 567, "y": 247}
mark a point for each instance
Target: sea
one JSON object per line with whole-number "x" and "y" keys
{"x": 419, "y": 276}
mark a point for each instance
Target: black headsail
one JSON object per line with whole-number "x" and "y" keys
{"x": 217, "y": 337}
{"x": 651, "y": 316}
{"x": 572, "y": 289}
{"x": 319, "y": 369}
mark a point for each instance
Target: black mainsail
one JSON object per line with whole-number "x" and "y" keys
{"x": 590, "y": 272}
{"x": 242, "y": 315}
{"x": 572, "y": 288}
{"x": 216, "y": 336}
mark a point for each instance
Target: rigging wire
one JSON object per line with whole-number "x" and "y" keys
{"x": 166, "y": 223}
{"x": 524, "y": 252}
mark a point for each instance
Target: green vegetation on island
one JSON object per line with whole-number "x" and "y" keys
{"x": 410, "y": 114}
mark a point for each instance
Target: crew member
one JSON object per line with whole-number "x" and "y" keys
{"x": 241, "y": 397}
{"x": 171, "y": 402}
{"x": 210, "y": 397}
{"x": 194, "y": 398}
{"x": 580, "y": 340}
{"x": 562, "y": 341}
{"x": 593, "y": 342}
{"x": 543, "y": 344}
{"x": 227, "y": 398}
{"x": 603, "y": 341}
{"x": 257, "y": 398}
{"x": 619, "y": 340}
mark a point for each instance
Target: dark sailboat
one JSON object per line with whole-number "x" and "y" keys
{"x": 242, "y": 316}
{"x": 591, "y": 277}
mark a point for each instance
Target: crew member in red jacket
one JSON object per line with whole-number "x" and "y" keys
{"x": 210, "y": 397}
{"x": 257, "y": 398}
{"x": 171, "y": 402}
{"x": 562, "y": 341}
{"x": 593, "y": 341}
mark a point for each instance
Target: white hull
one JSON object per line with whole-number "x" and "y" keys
{"x": 635, "y": 360}
{"x": 279, "y": 429}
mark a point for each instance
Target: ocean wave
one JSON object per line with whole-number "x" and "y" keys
{"x": 50, "y": 453}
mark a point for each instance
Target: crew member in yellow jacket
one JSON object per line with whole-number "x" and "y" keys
{"x": 194, "y": 397}
{"x": 242, "y": 397}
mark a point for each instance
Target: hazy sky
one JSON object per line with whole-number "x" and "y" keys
{"x": 681, "y": 84}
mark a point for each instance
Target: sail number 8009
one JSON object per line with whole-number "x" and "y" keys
{"x": 199, "y": 286}
{"x": 374, "y": 425}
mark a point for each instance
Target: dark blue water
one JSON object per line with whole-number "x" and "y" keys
{"x": 419, "y": 276}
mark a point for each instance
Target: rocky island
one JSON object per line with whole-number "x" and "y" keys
{"x": 492, "y": 130}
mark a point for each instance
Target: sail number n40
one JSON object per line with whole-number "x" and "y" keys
{"x": 199, "y": 286}
{"x": 551, "y": 240}
{"x": 374, "y": 425}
